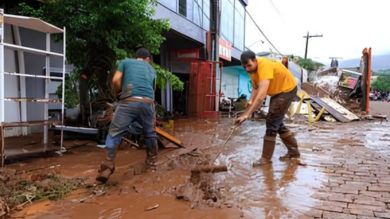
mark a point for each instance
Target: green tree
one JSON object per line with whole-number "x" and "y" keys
{"x": 309, "y": 64}
{"x": 381, "y": 72}
{"x": 12, "y": 7}
{"x": 382, "y": 83}
{"x": 101, "y": 32}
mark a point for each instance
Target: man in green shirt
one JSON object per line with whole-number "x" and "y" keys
{"x": 134, "y": 82}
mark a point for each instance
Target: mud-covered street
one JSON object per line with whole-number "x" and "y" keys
{"x": 194, "y": 109}
{"x": 343, "y": 173}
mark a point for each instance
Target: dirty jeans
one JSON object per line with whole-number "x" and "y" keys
{"x": 278, "y": 108}
{"x": 125, "y": 114}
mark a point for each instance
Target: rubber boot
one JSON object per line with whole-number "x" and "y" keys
{"x": 107, "y": 168}
{"x": 268, "y": 150}
{"x": 292, "y": 146}
{"x": 151, "y": 154}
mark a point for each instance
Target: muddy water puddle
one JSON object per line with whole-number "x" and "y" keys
{"x": 278, "y": 190}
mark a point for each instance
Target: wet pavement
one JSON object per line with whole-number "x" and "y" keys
{"x": 347, "y": 175}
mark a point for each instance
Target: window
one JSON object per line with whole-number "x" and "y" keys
{"x": 206, "y": 14}
{"x": 239, "y": 26}
{"x": 183, "y": 7}
{"x": 197, "y": 12}
{"x": 206, "y": 22}
{"x": 171, "y": 4}
{"x": 206, "y": 8}
{"x": 240, "y": 8}
{"x": 227, "y": 17}
{"x": 190, "y": 9}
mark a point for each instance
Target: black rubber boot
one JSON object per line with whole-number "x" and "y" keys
{"x": 107, "y": 168}
{"x": 292, "y": 146}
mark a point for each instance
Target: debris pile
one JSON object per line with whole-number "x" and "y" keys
{"x": 328, "y": 83}
{"x": 20, "y": 188}
{"x": 333, "y": 95}
{"x": 201, "y": 189}
{"x": 342, "y": 87}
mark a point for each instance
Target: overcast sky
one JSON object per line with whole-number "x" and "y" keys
{"x": 348, "y": 26}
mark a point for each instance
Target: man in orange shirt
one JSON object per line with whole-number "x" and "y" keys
{"x": 274, "y": 79}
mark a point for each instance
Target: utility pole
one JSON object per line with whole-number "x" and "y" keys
{"x": 307, "y": 41}
{"x": 214, "y": 30}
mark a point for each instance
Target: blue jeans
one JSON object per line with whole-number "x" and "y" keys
{"x": 124, "y": 115}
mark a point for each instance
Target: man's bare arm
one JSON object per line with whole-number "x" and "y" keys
{"x": 258, "y": 101}
{"x": 117, "y": 82}
{"x": 253, "y": 95}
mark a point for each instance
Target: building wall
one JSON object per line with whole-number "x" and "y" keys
{"x": 245, "y": 85}
{"x": 190, "y": 21}
{"x": 235, "y": 82}
{"x": 230, "y": 82}
{"x": 192, "y": 18}
{"x": 178, "y": 22}
{"x": 233, "y": 23}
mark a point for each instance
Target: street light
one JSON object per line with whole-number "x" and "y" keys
{"x": 258, "y": 41}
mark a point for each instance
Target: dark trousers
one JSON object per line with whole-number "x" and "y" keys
{"x": 278, "y": 108}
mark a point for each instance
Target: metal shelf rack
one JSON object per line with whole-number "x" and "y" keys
{"x": 48, "y": 29}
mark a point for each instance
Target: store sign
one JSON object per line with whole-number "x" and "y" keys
{"x": 225, "y": 50}
{"x": 349, "y": 79}
{"x": 187, "y": 54}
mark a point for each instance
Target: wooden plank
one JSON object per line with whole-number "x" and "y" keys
{"x": 162, "y": 142}
{"x": 130, "y": 142}
{"x": 169, "y": 137}
{"x": 314, "y": 90}
{"x": 340, "y": 109}
{"x": 209, "y": 169}
{"x": 337, "y": 115}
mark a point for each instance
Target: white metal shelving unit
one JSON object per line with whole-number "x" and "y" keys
{"x": 48, "y": 29}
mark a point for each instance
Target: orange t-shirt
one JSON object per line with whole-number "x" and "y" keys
{"x": 281, "y": 79}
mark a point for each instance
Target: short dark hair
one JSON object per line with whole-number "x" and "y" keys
{"x": 142, "y": 53}
{"x": 246, "y": 56}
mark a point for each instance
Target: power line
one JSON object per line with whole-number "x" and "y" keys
{"x": 277, "y": 10}
{"x": 262, "y": 32}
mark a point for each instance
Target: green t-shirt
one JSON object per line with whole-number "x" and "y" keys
{"x": 140, "y": 74}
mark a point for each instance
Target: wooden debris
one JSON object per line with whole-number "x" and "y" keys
{"x": 380, "y": 117}
{"x": 169, "y": 137}
{"x": 152, "y": 207}
{"x": 314, "y": 90}
{"x": 339, "y": 108}
{"x": 339, "y": 116}
{"x": 369, "y": 117}
{"x": 130, "y": 142}
{"x": 209, "y": 169}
